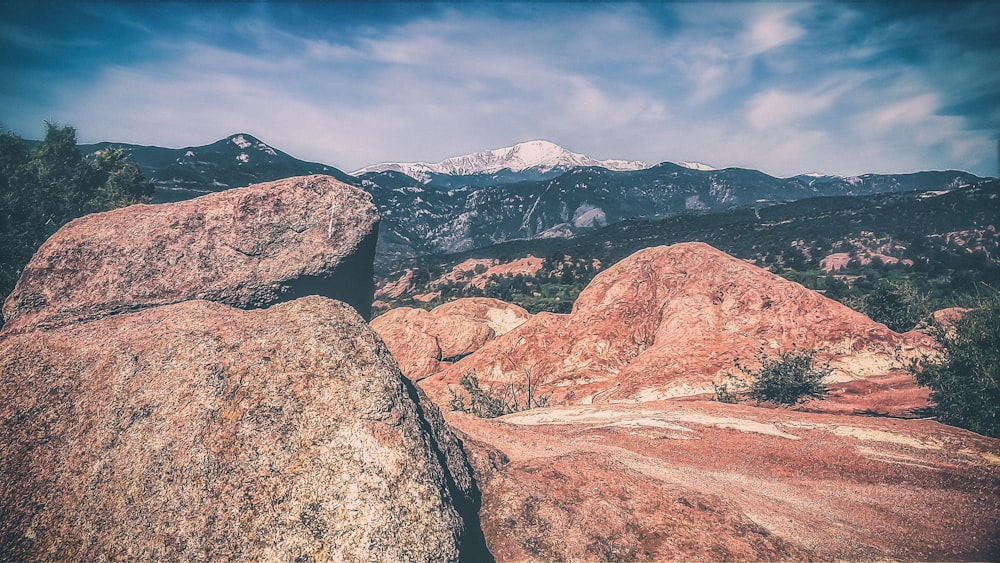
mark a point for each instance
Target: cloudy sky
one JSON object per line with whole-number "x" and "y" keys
{"x": 785, "y": 88}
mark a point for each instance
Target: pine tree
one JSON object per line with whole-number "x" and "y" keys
{"x": 44, "y": 188}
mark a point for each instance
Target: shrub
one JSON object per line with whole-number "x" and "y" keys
{"x": 896, "y": 304}
{"x": 731, "y": 391}
{"x": 965, "y": 382}
{"x": 786, "y": 380}
{"x": 494, "y": 401}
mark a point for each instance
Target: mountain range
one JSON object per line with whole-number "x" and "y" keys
{"x": 935, "y": 230}
{"x": 236, "y": 161}
{"x": 426, "y": 219}
{"x": 529, "y": 191}
{"x": 540, "y": 158}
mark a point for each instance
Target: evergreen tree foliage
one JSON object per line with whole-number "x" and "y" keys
{"x": 965, "y": 382}
{"x": 896, "y": 304}
{"x": 44, "y": 187}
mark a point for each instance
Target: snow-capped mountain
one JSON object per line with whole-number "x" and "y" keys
{"x": 696, "y": 166}
{"x": 534, "y": 190}
{"x": 427, "y": 218}
{"x": 537, "y": 156}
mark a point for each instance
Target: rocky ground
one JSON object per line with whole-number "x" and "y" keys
{"x": 633, "y": 460}
{"x": 196, "y": 381}
{"x": 671, "y": 321}
{"x": 425, "y": 342}
{"x": 698, "y": 480}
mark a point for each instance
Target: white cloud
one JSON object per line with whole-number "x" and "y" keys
{"x": 773, "y": 108}
{"x": 908, "y": 111}
{"x": 728, "y": 84}
{"x": 772, "y": 27}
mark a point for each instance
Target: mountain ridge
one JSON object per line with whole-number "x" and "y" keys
{"x": 454, "y": 213}
{"x": 234, "y": 161}
{"x": 538, "y": 155}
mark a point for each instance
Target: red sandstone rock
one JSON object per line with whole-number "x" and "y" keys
{"x": 705, "y": 481}
{"x": 248, "y": 247}
{"x": 396, "y": 289}
{"x": 947, "y": 318}
{"x": 200, "y": 432}
{"x": 424, "y": 342}
{"x": 668, "y": 321}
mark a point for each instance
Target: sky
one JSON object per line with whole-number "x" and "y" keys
{"x": 785, "y": 88}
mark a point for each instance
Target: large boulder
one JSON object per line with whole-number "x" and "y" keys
{"x": 197, "y": 431}
{"x": 425, "y": 342}
{"x": 670, "y": 321}
{"x": 248, "y": 248}
{"x": 177, "y": 384}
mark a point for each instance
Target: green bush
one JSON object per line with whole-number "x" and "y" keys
{"x": 491, "y": 402}
{"x": 786, "y": 380}
{"x": 896, "y": 304}
{"x": 965, "y": 382}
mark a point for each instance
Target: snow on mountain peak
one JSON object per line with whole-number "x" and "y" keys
{"x": 696, "y": 166}
{"x": 542, "y": 156}
{"x": 245, "y": 141}
{"x": 240, "y": 141}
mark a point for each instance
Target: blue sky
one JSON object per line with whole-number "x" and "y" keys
{"x": 786, "y": 88}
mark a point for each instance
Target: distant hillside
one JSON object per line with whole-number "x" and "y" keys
{"x": 421, "y": 219}
{"x": 948, "y": 240}
{"x": 532, "y": 191}
{"x": 236, "y": 161}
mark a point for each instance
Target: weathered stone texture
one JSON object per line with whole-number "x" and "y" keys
{"x": 248, "y": 248}
{"x": 425, "y": 342}
{"x": 197, "y": 431}
{"x": 668, "y": 321}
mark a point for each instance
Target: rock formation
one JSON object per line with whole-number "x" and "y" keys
{"x": 298, "y": 438}
{"x": 248, "y": 248}
{"x": 614, "y": 472}
{"x": 683, "y": 480}
{"x": 425, "y": 342}
{"x": 668, "y": 321}
{"x": 145, "y": 423}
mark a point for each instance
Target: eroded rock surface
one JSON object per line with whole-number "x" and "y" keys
{"x": 425, "y": 342}
{"x": 248, "y": 248}
{"x": 197, "y": 431}
{"x": 705, "y": 481}
{"x": 668, "y": 321}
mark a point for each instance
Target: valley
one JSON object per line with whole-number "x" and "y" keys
{"x": 945, "y": 243}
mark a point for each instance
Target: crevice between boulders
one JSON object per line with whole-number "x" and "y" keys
{"x": 468, "y": 499}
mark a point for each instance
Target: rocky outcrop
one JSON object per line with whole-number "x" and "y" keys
{"x": 425, "y": 342}
{"x": 615, "y": 472}
{"x": 199, "y": 431}
{"x": 248, "y": 248}
{"x": 705, "y": 481}
{"x": 140, "y": 421}
{"x": 668, "y": 321}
